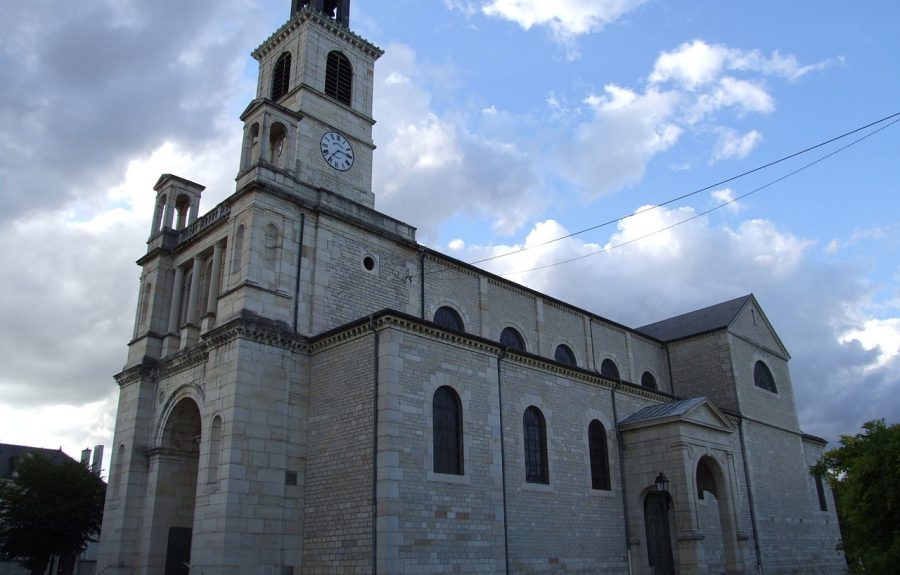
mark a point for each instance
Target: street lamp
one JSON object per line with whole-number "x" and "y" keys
{"x": 662, "y": 483}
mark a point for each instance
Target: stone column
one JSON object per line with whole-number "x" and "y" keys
{"x": 191, "y": 331}
{"x": 212, "y": 299}
{"x": 171, "y": 340}
{"x": 169, "y": 213}
{"x": 691, "y": 552}
{"x": 264, "y": 138}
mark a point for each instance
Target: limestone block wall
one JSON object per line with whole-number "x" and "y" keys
{"x": 503, "y": 305}
{"x": 610, "y": 342}
{"x": 824, "y": 522}
{"x": 337, "y": 535}
{"x": 343, "y": 288}
{"x": 254, "y": 511}
{"x": 433, "y": 522}
{"x": 790, "y": 523}
{"x": 454, "y": 286}
{"x": 646, "y": 355}
{"x": 778, "y": 409}
{"x": 702, "y": 367}
{"x": 564, "y": 526}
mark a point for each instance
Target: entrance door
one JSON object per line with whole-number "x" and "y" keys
{"x": 178, "y": 551}
{"x": 659, "y": 542}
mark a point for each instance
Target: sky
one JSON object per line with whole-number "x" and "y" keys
{"x": 502, "y": 125}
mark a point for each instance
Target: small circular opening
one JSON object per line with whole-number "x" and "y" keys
{"x": 369, "y": 263}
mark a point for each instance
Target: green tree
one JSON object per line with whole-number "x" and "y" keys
{"x": 864, "y": 473}
{"x": 50, "y": 508}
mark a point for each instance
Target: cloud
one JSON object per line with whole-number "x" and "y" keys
{"x": 846, "y": 364}
{"x": 430, "y": 168}
{"x": 697, "y": 63}
{"x": 86, "y": 87}
{"x": 566, "y": 18}
{"x": 612, "y": 148}
{"x": 733, "y": 145}
{"x": 725, "y": 197}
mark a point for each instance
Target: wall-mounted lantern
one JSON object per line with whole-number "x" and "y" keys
{"x": 662, "y": 483}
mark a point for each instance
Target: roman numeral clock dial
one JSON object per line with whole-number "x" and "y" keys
{"x": 337, "y": 151}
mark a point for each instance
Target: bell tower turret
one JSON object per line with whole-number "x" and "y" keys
{"x": 311, "y": 122}
{"x": 337, "y": 9}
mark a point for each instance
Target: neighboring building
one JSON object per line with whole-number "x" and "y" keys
{"x": 10, "y": 455}
{"x": 309, "y": 390}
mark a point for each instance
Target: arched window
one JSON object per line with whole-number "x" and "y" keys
{"x": 609, "y": 369}
{"x": 512, "y": 339}
{"x": 281, "y": 76}
{"x": 599, "y": 456}
{"x": 447, "y": 318}
{"x": 762, "y": 377}
{"x": 705, "y": 480}
{"x": 277, "y": 142}
{"x": 535, "y": 428}
{"x": 448, "y": 437}
{"x": 648, "y": 381}
{"x": 339, "y": 77}
{"x": 565, "y": 355}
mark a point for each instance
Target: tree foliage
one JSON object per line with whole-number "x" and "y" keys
{"x": 50, "y": 508}
{"x": 864, "y": 473}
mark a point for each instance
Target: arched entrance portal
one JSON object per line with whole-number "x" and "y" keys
{"x": 177, "y": 462}
{"x": 659, "y": 537}
{"x": 716, "y": 518}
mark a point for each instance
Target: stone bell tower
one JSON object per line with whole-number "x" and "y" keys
{"x": 311, "y": 120}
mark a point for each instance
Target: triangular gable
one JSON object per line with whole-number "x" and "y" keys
{"x": 704, "y": 320}
{"x": 696, "y": 411}
{"x": 751, "y": 323}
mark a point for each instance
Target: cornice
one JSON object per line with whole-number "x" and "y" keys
{"x": 257, "y": 330}
{"x": 313, "y": 16}
{"x": 511, "y": 287}
{"x": 182, "y": 362}
{"x": 387, "y": 319}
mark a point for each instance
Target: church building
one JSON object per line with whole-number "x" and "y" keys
{"x": 308, "y": 390}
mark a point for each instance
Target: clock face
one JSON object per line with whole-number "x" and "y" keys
{"x": 337, "y": 151}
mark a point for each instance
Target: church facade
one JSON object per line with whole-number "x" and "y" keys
{"x": 308, "y": 390}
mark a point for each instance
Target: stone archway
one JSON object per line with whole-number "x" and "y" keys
{"x": 716, "y": 517}
{"x": 174, "y": 467}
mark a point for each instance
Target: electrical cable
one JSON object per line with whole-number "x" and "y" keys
{"x": 717, "y": 207}
{"x": 701, "y": 190}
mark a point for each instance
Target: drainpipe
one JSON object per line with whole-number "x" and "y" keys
{"x": 500, "y": 356}
{"x": 422, "y": 283}
{"x": 374, "y": 447}
{"x": 759, "y": 564}
{"x": 621, "y": 445}
{"x": 299, "y": 269}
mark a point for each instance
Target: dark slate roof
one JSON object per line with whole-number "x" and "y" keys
{"x": 9, "y": 452}
{"x": 673, "y": 409}
{"x": 704, "y": 320}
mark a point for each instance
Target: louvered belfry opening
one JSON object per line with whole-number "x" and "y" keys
{"x": 339, "y": 77}
{"x": 281, "y": 76}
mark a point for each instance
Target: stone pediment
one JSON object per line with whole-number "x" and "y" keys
{"x": 698, "y": 411}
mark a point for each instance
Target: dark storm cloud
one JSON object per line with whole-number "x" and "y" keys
{"x": 86, "y": 86}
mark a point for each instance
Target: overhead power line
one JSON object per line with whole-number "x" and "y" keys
{"x": 711, "y": 186}
{"x": 719, "y": 206}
